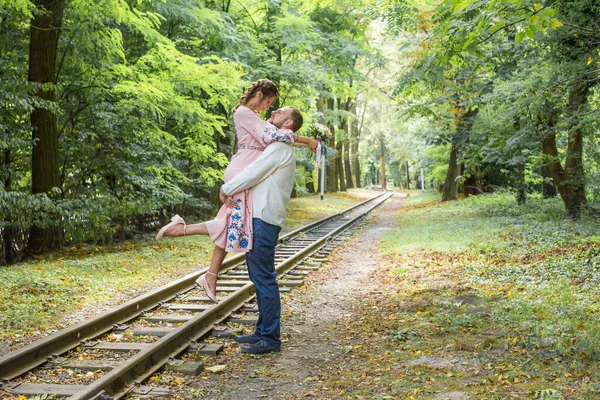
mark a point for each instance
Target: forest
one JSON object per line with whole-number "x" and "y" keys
{"x": 114, "y": 114}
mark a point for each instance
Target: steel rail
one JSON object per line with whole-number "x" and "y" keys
{"x": 22, "y": 360}
{"x": 177, "y": 341}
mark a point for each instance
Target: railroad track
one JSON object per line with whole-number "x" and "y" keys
{"x": 120, "y": 349}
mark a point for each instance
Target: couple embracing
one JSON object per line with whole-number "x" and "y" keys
{"x": 258, "y": 184}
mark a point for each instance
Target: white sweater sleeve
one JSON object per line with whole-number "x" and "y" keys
{"x": 256, "y": 172}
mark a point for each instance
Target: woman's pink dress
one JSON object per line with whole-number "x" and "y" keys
{"x": 232, "y": 228}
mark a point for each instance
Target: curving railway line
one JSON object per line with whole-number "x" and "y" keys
{"x": 125, "y": 346}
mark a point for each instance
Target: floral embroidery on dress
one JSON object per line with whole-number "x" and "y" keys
{"x": 247, "y": 147}
{"x": 237, "y": 231}
{"x": 271, "y": 134}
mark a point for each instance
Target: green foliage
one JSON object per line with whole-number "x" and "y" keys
{"x": 403, "y": 335}
{"x": 520, "y": 64}
{"x": 144, "y": 93}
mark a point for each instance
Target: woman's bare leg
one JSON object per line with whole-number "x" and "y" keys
{"x": 215, "y": 264}
{"x": 196, "y": 229}
{"x": 209, "y": 280}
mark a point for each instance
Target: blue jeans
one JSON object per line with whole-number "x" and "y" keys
{"x": 261, "y": 268}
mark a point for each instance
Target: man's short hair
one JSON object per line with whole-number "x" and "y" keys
{"x": 297, "y": 120}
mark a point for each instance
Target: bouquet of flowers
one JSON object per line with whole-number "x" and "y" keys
{"x": 319, "y": 130}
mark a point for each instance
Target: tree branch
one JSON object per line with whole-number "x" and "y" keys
{"x": 581, "y": 28}
{"x": 556, "y": 84}
{"x": 515, "y": 22}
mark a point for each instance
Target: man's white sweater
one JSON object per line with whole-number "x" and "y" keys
{"x": 271, "y": 178}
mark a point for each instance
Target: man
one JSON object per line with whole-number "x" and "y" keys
{"x": 271, "y": 178}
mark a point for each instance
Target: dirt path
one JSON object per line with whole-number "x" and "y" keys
{"x": 316, "y": 341}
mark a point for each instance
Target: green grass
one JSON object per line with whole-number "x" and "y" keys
{"x": 476, "y": 222}
{"x": 36, "y": 294}
{"x": 416, "y": 197}
{"x": 450, "y": 227}
{"x": 537, "y": 271}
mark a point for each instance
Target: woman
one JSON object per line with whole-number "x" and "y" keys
{"x": 231, "y": 230}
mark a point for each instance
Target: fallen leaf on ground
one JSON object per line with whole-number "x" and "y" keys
{"x": 216, "y": 368}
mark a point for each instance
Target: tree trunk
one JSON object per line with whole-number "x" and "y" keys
{"x": 570, "y": 180}
{"x": 345, "y": 148}
{"x": 546, "y": 122}
{"x": 382, "y": 162}
{"x": 8, "y": 237}
{"x": 356, "y": 132}
{"x": 321, "y": 105}
{"x": 45, "y": 166}
{"x": 548, "y": 187}
{"x": 339, "y": 166}
{"x": 450, "y": 188}
{"x": 347, "y": 167}
{"x": 574, "y": 164}
{"x": 471, "y": 186}
{"x": 331, "y": 176}
{"x": 339, "y": 160}
{"x": 464, "y": 124}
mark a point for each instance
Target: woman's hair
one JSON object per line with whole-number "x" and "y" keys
{"x": 265, "y": 86}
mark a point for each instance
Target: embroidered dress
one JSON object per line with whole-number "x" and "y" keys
{"x": 232, "y": 228}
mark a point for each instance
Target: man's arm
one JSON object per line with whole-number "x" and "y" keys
{"x": 256, "y": 172}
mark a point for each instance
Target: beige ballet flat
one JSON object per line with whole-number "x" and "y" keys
{"x": 209, "y": 293}
{"x": 175, "y": 220}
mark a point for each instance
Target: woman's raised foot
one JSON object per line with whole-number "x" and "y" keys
{"x": 174, "y": 228}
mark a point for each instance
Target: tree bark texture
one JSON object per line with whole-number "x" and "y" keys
{"x": 331, "y": 176}
{"x": 450, "y": 188}
{"x": 569, "y": 181}
{"x": 354, "y": 140}
{"x": 339, "y": 161}
{"x": 45, "y": 166}
{"x": 463, "y": 129}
